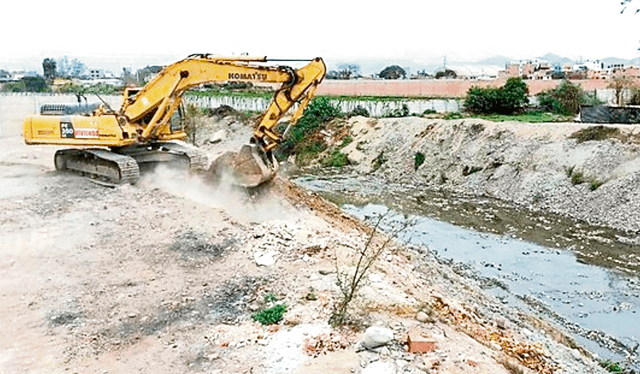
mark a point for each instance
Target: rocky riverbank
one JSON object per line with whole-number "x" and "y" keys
{"x": 586, "y": 173}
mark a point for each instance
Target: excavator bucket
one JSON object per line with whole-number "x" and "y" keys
{"x": 249, "y": 167}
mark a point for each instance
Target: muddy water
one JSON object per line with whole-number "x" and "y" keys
{"x": 582, "y": 277}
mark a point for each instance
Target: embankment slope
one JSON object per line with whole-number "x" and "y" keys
{"x": 580, "y": 171}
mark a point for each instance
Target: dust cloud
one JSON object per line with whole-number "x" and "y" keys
{"x": 236, "y": 201}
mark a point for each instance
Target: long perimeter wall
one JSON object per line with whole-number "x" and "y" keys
{"x": 450, "y": 88}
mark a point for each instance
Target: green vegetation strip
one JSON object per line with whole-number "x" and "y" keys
{"x": 534, "y": 117}
{"x": 389, "y": 98}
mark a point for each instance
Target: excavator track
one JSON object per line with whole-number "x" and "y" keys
{"x": 198, "y": 161}
{"x": 99, "y": 163}
{"x": 169, "y": 153}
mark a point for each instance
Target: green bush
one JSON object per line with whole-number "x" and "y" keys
{"x": 398, "y": 112}
{"x": 337, "y": 159}
{"x": 566, "y": 99}
{"x": 304, "y": 139}
{"x": 270, "y": 316}
{"x": 319, "y": 111}
{"x": 359, "y": 111}
{"x": 27, "y": 84}
{"x": 452, "y": 115}
{"x": 507, "y": 99}
{"x": 418, "y": 160}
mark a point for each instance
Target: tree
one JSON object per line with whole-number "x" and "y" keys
{"x": 392, "y": 72}
{"x": 619, "y": 84}
{"x": 49, "y": 68}
{"x": 515, "y": 94}
{"x": 564, "y": 99}
{"x": 447, "y": 73}
{"x": 348, "y": 71}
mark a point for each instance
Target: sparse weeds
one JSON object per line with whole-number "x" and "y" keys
{"x": 595, "y": 184}
{"x": 468, "y": 170}
{"x": 569, "y": 171}
{"x": 379, "y": 161}
{"x": 337, "y": 159}
{"x": 453, "y": 115}
{"x": 579, "y": 178}
{"x": 597, "y": 133}
{"x": 270, "y": 298}
{"x": 613, "y": 367}
{"x": 271, "y": 315}
{"x": 349, "y": 282}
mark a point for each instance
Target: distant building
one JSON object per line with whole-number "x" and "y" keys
{"x": 472, "y": 71}
{"x": 530, "y": 69}
{"x": 100, "y": 74}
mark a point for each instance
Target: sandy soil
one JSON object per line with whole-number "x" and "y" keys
{"x": 161, "y": 277}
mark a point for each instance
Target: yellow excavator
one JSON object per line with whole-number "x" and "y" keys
{"x": 114, "y": 145}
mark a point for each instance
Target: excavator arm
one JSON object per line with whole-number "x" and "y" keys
{"x": 152, "y": 107}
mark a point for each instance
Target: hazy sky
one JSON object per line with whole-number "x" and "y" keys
{"x": 116, "y": 33}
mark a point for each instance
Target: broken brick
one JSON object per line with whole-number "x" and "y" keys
{"x": 420, "y": 342}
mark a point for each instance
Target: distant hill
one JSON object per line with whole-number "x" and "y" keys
{"x": 556, "y": 59}
{"x": 615, "y": 60}
{"x": 494, "y": 60}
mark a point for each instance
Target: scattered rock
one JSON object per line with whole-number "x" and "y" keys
{"x": 422, "y": 317}
{"x": 264, "y": 258}
{"x": 376, "y": 337}
{"x": 379, "y": 367}
{"x": 218, "y": 137}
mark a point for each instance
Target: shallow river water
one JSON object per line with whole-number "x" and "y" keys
{"x": 581, "y": 277}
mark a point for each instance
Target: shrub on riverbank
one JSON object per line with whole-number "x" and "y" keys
{"x": 507, "y": 99}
